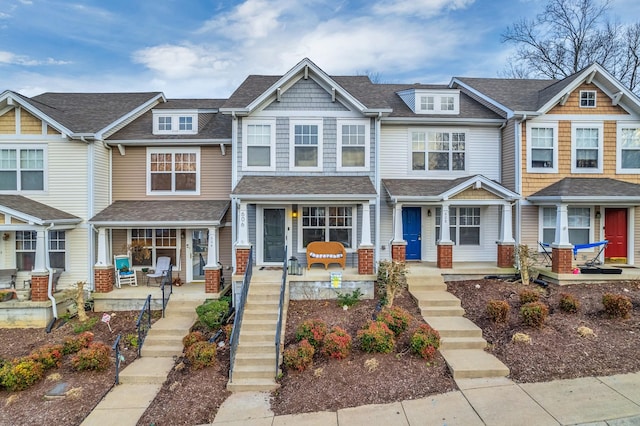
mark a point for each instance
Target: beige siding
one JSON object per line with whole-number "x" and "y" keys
{"x": 29, "y": 125}
{"x": 101, "y": 186}
{"x": 52, "y": 131}
{"x": 529, "y": 226}
{"x": 225, "y": 240}
{"x": 572, "y": 106}
{"x": 475, "y": 194}
{"x": 76, "y": 258}
{"x": 509, "y": 156}
{"x": 8, "y": 123}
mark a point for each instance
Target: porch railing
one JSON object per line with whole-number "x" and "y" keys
{"x": 167, "y": 288}
{"x": 143, "y": 324}
{"x": 116, "y": 348}
{"x": 283, "y": 284}
{"x": 237, "y": 322}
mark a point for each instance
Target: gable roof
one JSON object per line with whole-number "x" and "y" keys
{"x": 587, "y": 190}
{"x": 436, "y": 190}
{"x": 34, "y": 212}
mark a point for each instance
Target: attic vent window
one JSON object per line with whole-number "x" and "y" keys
{"x": 432, "y": 101}
{"x": 587, "y": 99}
{"x": 175, "y": 122}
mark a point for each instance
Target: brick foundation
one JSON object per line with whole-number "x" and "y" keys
{"x": 561, "y": 260}
{"x": 365, "y": 261}
{"x": 506, "y": 255}
{"x": 242, "y": 259}
{"x": 399, "y": 252}
{"x": 103, "y": 278}
{"x": 212, "y": 280}
{"x": 445, "y": 256}
{"x": 39, "y": 286}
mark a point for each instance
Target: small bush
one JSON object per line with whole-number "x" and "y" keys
{"x": 20, "y": 374}
{"x": 521, "y": 338}
{"x": 201, "y": 354}
{"x": 377, "y": 337}
{"x": 337, "y": 344}
{"x": 50, "y": 356}
{"x": 528, "y": 296}
{"x": 299, "y": 356}
{"x": 349, "y": 299}
{"x": 617, "y": 305}
{"x": 73, "y": 344}
{"x": 568, "y": 303}
{"x": 193, "y": 337}
{"x": 498, "y": 310}
{"x": 396, "y": 318}
{"x": 313, "y": 330}
{"x": 534, "y": 314}
{"x": 425, "y": 341}
{"x": 81, "y": 327}
{"x": 132, "y": 340}
{"x": 94, "y": 357}
{"x": 213, "y": 313}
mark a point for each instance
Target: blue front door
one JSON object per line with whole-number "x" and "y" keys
{"x": 411, "y": 229}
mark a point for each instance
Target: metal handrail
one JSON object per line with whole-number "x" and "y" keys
{"x": 116, "y": 347}
{"x": 280, "y": 312}
{"x": 143, "y": 324}
{"x": 237, "y": 322}
{"x": 166, "y": 279}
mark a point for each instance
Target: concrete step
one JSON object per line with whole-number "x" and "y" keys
{"x": 163, "y": 339}
{"x": 436, "y": 298}
{"x": 247, "y": 336}
{"x": 260, "y": 315}
{"x": 432, "y": 286}
{"x": 454, "y": 326}
{"x": 442, "y": 311}
{"x": 263, "y": 297}
{"x": 152, "y": 350}
{"x": 450, "y": 343}
{"x": 266, "y": 360}
{"x": 257, "y": 346}
{"x": 258, "y": 325}
{"x": 473, "y": 364}
{"x": 265, "y": 289}
{"x": 149, "y": 370}
{"x": 179, "y": 325}
{"x": 254, "y": 371}
{"x": 255, "y": 385}
{"x": 261, "y": 305}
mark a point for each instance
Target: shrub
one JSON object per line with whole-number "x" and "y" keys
{"x": 94, "y": 357}
{"x": 20, "y": 374}
{"x": 528, "y": 296}
{"x": 299, "y": 356}
{"x": 73, "y": 344}
{"x": 132, "y": 340}
{"x": 534, "y": 314}
{"x": 50, "y": 356}
{"x": 396, "y": 318}
{"x": 498, "y": 310}
{"x": 376, "y": 337}
{"x": 337, "y": 344}
{"x": 81, "y": 327}
{"x": 617, "y": 305}
{"x": 201, "y": 354}
{"x": 521, "y": 338}
{"x": 568, "y": 303}
{"x": 193, "y": 337}
{"x": 391, "y": 280}
{"x": 313, "y": 330}
{"x": 425, "y": 341}
{"x": 212, "y": 313}
{"x": 349, "y": 299}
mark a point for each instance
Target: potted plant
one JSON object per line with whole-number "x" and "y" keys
{"x": 139, "y": 251}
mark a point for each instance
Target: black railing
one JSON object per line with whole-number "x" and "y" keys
{"x": 237, "y": 322}
{"x": 167, "y": 281}
{"x": 144, "y": 323}
{"x": 116, "y": 348}
{"x": 283, "y": 284}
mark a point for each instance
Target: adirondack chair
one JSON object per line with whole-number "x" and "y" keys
{"x": 124, "y": 273}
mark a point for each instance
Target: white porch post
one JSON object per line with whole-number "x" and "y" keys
{"x": 41, "y": 251}
{"x": 507, "y": 224}
{"x": 212, "y": 251}
{"x": 562, "y": 227}
{"x": 366, "y": 225}
{"x": 102, "y": 248}
{"x": 243, "y": 225}
{"x": 397, "y": 223}
{"x": 445, "y": 232}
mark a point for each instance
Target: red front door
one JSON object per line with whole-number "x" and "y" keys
{"x": 615, "y": 230}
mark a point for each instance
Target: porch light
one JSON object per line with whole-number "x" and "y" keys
{"x": 294, "y": 211}
{"x": 294, "y": 266}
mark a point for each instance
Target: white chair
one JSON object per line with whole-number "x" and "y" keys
{"x": 162, "y": 266}
{"x": 124, "y": 273}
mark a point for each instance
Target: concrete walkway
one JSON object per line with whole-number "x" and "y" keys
{"x": 601, "y": 401}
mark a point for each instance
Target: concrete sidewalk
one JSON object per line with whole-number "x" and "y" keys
{"x": 612, "y": 400}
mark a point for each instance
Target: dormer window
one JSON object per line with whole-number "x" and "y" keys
{"x": 175, "y": 122}
{"x": 426, "y": 103}
{"x": 432, "y": 101}
{"x": 164, "y": 124}
{"x": 587, "y": 99}
{"x": 447, "y": 103}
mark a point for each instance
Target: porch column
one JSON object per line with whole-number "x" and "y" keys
{"x": 366, "y": 226}
{"x": 40, "y": 273}
{"x": 212, "y": 244}
{"x": 103, "y": 260}
{"x": 445, "y": 245}
{"x": 365, "y": 250}
{"x": 398, "y": 245}
{"x": 212, "y": 270}
{"x": 506, "y": 245}
{"x": 562, "y": 249}
{"x": 243, "y": 247}
{"x": 41, "y": 251}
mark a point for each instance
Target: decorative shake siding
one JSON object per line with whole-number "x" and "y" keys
{"x": 603, "y": 104}
{"x": 306, "y": 95}
{"x": 8, "y": 123}
{"x": 529, "y": 227}
{"x": 29, "y": 125}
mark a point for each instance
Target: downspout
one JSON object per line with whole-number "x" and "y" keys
{"x": 109, "y": 202}
{"x": 234, "y": 178}
{"x": 518, "y": 176}
{"x": 47, "y": 265}
{"x": 376, "y": 251}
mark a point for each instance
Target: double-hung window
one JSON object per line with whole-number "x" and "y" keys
{"x": 447, "y": 103}
{"x": 587, "y": 148}
{"x": 22, "y": 169}
{"x": 258, "y": 147}
{"x": 579, "y": 220}
{"x": 159, "y": 241}
{"x": 464, "y": 225}
{"x": 306, "y": 144}
{"x": 333, "y": 223}
{"x": 427, "y": 103}
{"x": 57, "y": 249}
{"x": 174, "y": 122}
{"x": 628, "y": 153}
{"x": 173, "y": 171}
{"x": 353, "y": 145}
{"x": 438, "y": 150}
{"x": 542, "y": 147}
{"x": 26, "y": 242}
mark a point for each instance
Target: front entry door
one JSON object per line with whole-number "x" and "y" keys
{"x": 411, "y": 232}
{"x": 199, "y": 253}
{"x": 615, "y": 231}
{"x": 274, "y": 233}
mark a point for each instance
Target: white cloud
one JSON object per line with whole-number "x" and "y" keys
{"x": 4, "y": 15}
{"x": 176, "y": 62}
{"x": 9, "y": 58}
{"x": 423, "y": 8}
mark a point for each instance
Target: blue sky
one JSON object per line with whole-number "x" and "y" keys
{"x": 205, "y": 48}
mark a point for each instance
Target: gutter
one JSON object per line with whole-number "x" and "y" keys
{"x": 376, "y": 251}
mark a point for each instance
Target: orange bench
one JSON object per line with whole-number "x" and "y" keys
{"x": 326, "y": 252}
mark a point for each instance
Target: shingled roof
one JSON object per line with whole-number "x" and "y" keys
{"x": 28, "y": 209}
{"x": 515, "y": 94}
{"x": 308, "y": 187}
{"x": 162, "y": 213}
{"x": 588, "y": 189}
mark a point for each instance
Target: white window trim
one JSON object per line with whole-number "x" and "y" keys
{"x": 457, "y": 226}
{"x": 185, "y": 150}
{"x": 547, "y": 125}
{"x": 621, "y": 126}
{"x": 272, "y": 145}
{"x": 367, "y": 145}
{"x": 587, "y": 125}
{"x": 175, "y": 122}
{"x": 45, "y": 172}
{"x": 354, "y": 229}
{"x": 595, "y": 99}
{"x": 292, "y": 145}
{"x": 437, "y": 102}
{"x": 153, "y": 247}
{"x": 450, "y": 131}
{"x": 592, "y": 218}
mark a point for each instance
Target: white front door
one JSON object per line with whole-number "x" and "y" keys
{"x": 197, "y": 251}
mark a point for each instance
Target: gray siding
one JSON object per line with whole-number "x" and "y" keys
{"x": 509, "y": 155}
{"x": 306, "y": 95}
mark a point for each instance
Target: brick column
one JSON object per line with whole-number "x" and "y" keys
{"x": 561, "y": 260}
{"x": 506, "y": 255}
{"x": 399, "y": 251}
{"x": 242, "y": 259}
{"x": 39, "y": 286}
{"x": 103, "y": 277}
{"x": 445, "y": 256}
{"x": 212, "y": 279}
{"x": 365, "y": 261}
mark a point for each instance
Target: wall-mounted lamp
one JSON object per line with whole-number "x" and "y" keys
{"x": 429, "y": 212}
{"x": 182, "y": 235}
{"x": 598, "y": 214}
{"x": 294, "y": 211}
{"x": 5, "y": 236}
